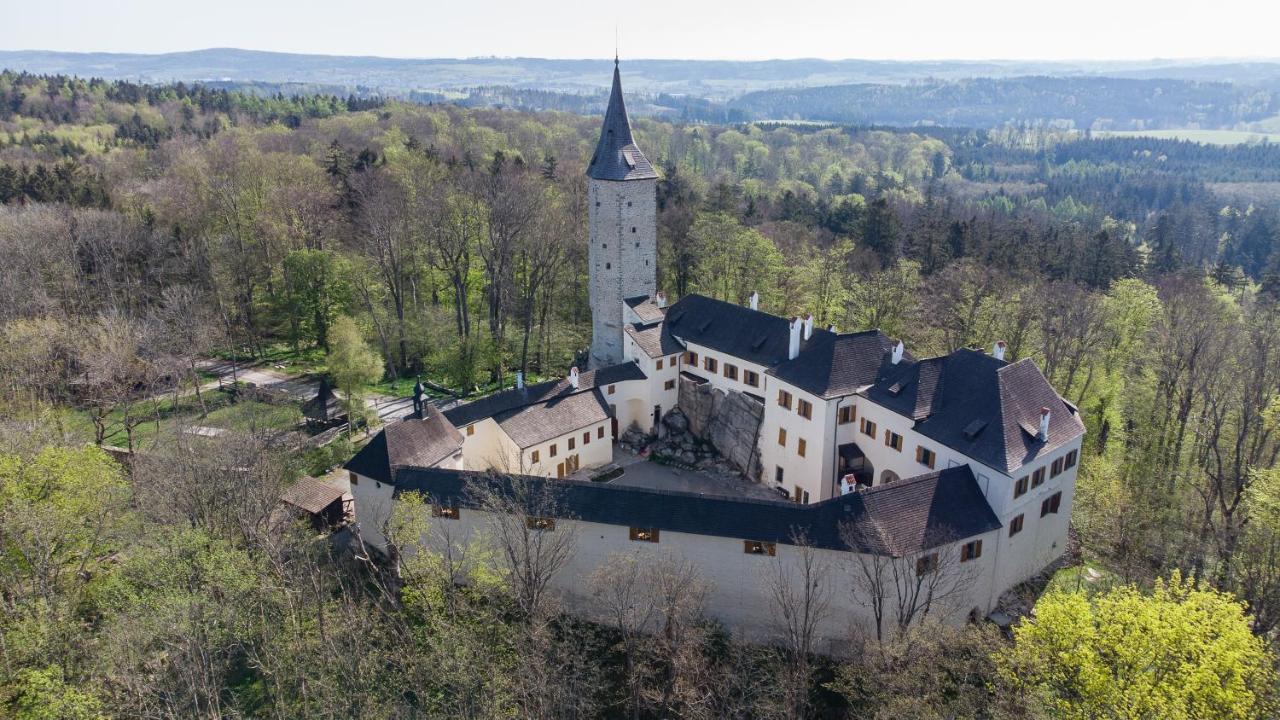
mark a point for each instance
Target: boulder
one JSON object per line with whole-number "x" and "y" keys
{"x": 675, "y": 421}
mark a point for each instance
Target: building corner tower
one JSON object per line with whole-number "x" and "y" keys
{"x": 622, "y": 215}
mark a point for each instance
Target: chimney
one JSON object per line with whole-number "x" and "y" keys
{"x": 831, "y": 328}
{"x": 660, "y": 299}
{"x": 573, "y": 377}
{"x": 897, "y": 353}
{"x": 1044, "y": 424}
{"x": 754, "y": 300}
{"x": 998, "y": 350}
{"x": 520, "y": 380}
{"x": 793, "y": 345}
{"x": 808, "y": 326}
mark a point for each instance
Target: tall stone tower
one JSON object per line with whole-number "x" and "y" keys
{"x": 622, "y": 211}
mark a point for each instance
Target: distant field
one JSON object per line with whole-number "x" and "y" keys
{"x": 1208, "y": 137}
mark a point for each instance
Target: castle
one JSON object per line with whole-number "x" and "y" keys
{"x": 963, "y": 463}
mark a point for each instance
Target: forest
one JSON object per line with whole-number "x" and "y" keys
{"x": 146, "y": 229}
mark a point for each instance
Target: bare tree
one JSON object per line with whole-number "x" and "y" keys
{"x": 527, "y": 525}
{"x": 800, "y": 586}
{"x": 903, "y": 589}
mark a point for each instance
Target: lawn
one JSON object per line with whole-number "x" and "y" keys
{"x": 1208, "y": 137}
{"x": 243, "y": 416}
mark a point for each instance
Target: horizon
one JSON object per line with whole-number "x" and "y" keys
{"x": 1187, "y": 59}
{"x": 753, "y": 30}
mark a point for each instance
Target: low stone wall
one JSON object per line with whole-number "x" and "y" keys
{"x": 728, "y": 421}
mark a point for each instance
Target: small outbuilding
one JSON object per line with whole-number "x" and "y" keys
{"x": 328, "y": 507}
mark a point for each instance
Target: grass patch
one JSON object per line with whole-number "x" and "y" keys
{"x": 1089, "y": 575}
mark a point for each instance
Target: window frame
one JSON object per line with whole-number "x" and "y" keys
{"x": 1015, "y": 525}
{"x": 893, "y": 440}
{"x": 804, "y": 408}
{"x": 540, "y": 523}
{"x": 1020, "y": 486}
{"x": 926, "y": 564}
{"x": 759, "y": 547}
{"x": 845, "y": 415}
{"x": 971, "y": 550}
{"x": 446, "y": 512}
{"x": 801, "y": 446}
{"x": 782, "y": 436}
{"x": 1037, "y": 478}
{"x": 644, "y": 534}
{"x": 751, "y": 378}
{"x": 922, "y": 452}
{"x": 784, "y": 399}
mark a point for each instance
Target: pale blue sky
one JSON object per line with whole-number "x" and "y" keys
{"x": 742, "y": 29}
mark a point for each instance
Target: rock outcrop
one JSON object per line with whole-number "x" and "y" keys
{"x": 730, "y": 422}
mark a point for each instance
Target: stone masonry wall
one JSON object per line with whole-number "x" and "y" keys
{"x": 729, "y": 421}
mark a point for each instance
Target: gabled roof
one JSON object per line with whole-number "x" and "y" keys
{"x": 542, "y": 392}
{"x": 616, "y": 156}
{"x": 986, "y": 408}
{"x": 311, "y": 495}
{"x": 646, "y": 309}
{"x": 902, "y": 518}
{"x": 413, "y": 442}
{"x": 749, "y": 334}
{"x": 834, "y": 365}
{"x": 532, "y": 424}
{"x": 652, "y": 340}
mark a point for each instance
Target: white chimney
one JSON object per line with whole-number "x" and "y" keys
{"x": 660, "y": 299}
{"x": 573, "y": 377}
{"x": 897, "y": 353}
{"x": 808, "y": 326}
{"x": 998, "y": 349}
{"x": 519, "y": 379}
{"x": 793, "y": 346}
{"x": 831, "y": 328}
{"x": 1044, "y": 424}
{"x": 754, "y": 300}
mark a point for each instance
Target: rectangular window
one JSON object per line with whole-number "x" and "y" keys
{"x": 586, "y": 438}
{"x": 600, "y": 432}
{"x": 691, "y": 359}
{"x": 709, "y": 364}
{"x": 797, "y": 494}
{"x": 844, "y": 416}
{"x": 644, "y": 534}
{"x": 1015, "y": 526}
{"x": 751, "y": 378}
{"x": 1071, "y": 460}
{"x": 573, "y": 443}
{"x": 755, "y": 547}
{"x": 355, "y": 479}
{"x": 1056, "y": 469}
{"x": 868, "y": 428}
{"x": 611, "y": 389}
{"x": 784, "y": 399}
{"x": 673, "y": 360}
{"x": 534, "y": 457}
{"x": 448, "y": 512}
{"x": 971, "y": 551}
{"x": 806, "y": 497}
{"x": 1037, "y": 478}
{"x": 801, "y": 446}
{"x": 804, "y": 409}
{"x": 927, "y": 564}
{"x": 540, "y": 523}
{"x": 669, "y": 385}
{"x": 471, "y": 430}
{"x": 925, "y": 456}
{"x": 731, "y": 371}
{"x": 659, "y": 363}
{"x": 782, "y": 437}
{"x": 778, "y": 474}
{"x": 1020, "y": 487}
{"x": 553, "y": 450}
{"x": 1051, "y": 504}
{"x": 893, "y": 439}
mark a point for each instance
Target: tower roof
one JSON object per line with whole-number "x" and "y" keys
{"x": 616, "y": 156}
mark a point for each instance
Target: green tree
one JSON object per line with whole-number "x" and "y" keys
{"x": 1184, "y": 651}
{"x": 352, "y": 365}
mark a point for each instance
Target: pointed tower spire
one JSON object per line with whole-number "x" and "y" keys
{"x": 616, "y": 156}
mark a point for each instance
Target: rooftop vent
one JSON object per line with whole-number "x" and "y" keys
{"x": 896, "y": 389}
{"x": 759, "y": 343}
{"x": 973, "y": 429}
{"x": 705, "y": 324}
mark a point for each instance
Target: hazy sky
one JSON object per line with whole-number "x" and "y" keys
{"x": 741, "y": 29}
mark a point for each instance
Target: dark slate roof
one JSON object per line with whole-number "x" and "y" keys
{"x": 413, "y": 442}
{"x": 540, "y": 393}
{"x": 983, "y": 407}
{"x": 653, "y": 340}
{"x": 325, "y": 405}
{"x": 616, "y": 156}
{"x": 645, "y": 309}
{"x": 733, "y": 329}
{"x": 897, "y": 519}
{"x": 532, "y": 424}
{"x": 834, "y": 365}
